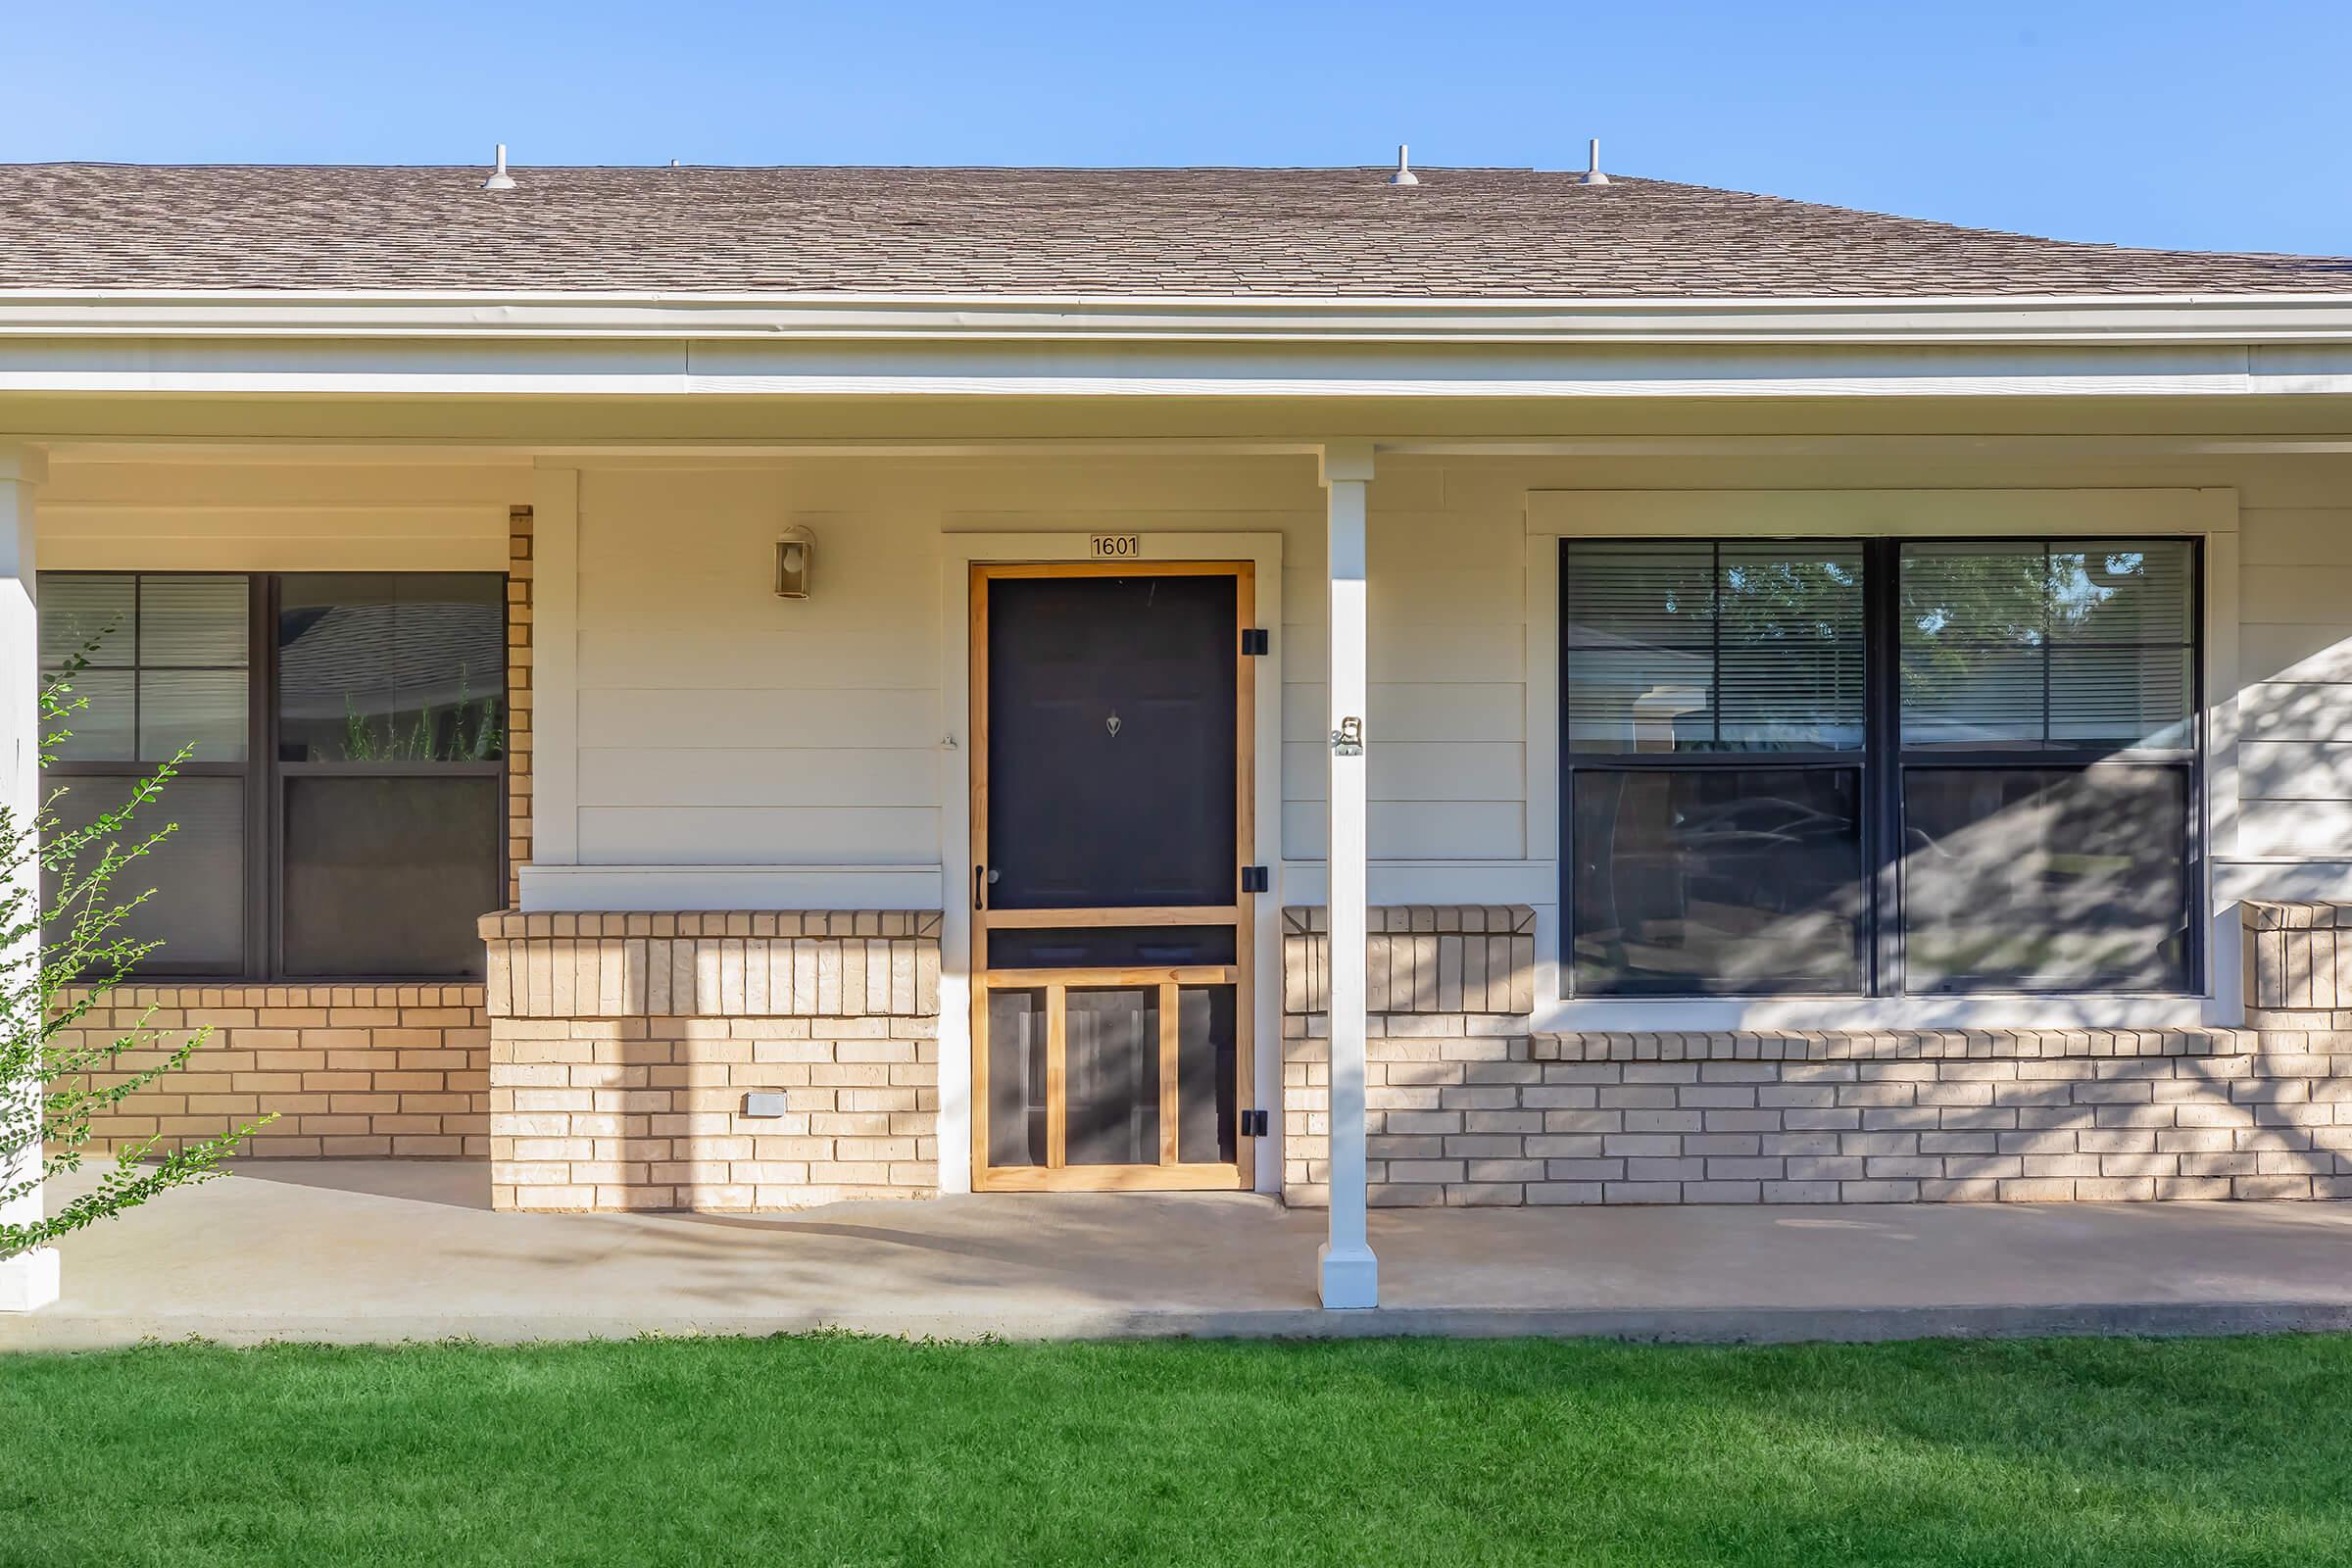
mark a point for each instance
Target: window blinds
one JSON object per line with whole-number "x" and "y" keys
{"x": 1714, "y": 646}
{"x": 2046, "y": 642}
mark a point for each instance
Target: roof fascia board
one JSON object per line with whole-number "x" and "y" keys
{"x": 2052, "y": 320}
{"x": 1829, "y": 383}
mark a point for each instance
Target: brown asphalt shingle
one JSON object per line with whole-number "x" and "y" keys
{"x": 1463, "y": 233}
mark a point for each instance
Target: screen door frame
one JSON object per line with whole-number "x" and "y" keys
{"x": 1169, "y": 1174}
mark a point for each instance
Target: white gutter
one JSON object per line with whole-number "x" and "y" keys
{"x": 2107, "y": 320}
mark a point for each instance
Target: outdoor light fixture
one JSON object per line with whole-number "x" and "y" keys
{"x": 796, "y": 561}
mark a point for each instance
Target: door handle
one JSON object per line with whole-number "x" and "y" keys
{"x": 979, "y": 887}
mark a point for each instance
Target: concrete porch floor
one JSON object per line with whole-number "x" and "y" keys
{"x": 387, "y": 1251}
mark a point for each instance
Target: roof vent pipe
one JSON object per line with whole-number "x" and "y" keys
{"x": 1593, "y": 175}
{"x": 1403, "y": 175}
{"x": 499, "y": 178}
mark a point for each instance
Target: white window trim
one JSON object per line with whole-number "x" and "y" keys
{"x": 958, "y": 552}
{"x": 2209, "y": 514}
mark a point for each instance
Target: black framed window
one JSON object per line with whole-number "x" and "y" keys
{"x": 342, "y": 812}
{"x": 2046, "y": 749}
{"x": 1878, "y": 768}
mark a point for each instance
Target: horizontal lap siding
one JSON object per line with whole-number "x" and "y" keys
{"x": 2295, "y": 703}
{"x": 1447, "y": 698}
{"x": 220, "y": 516}
{"x": 719, "y": 726}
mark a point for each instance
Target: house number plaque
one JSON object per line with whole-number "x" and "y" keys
{"x": 1117, "y": 546}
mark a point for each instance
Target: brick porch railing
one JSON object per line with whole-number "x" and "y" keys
{"x": 1469, "y": 1107}
{"x": 712, "y": 1060}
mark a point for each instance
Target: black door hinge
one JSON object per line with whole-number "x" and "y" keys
{"x": 1253, "y": 879}
{"x": 1254, "y": 642}
{"x": 1253, "y": 1124}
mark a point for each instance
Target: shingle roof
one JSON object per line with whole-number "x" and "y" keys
{"x": 1297, "y": 232}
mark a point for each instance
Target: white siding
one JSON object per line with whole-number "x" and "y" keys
{"x": 718, "y": 726}
{"x": 721, "y": 727}
{"x": 294, "y": 516}
{"x": 1447, "y": 722}
{"x": 2295, "y": 712}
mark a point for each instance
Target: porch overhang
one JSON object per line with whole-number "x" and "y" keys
{"x": 351, "y": 344}
{"x": 554, "y": 385}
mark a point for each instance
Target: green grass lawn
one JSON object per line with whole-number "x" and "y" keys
{"x": 836, "y": 1449}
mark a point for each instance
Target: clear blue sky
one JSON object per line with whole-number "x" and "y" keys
{"x": 2209, "y": 125}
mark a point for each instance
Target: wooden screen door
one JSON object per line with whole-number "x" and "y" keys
{"x": 1111, "y": 779}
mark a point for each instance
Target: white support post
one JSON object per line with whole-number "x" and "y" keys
{"x": 1349, "y": 1274}
{"x": 29, "y": 1279}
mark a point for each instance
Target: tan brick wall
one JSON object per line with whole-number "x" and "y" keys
{"x": 352, "y": 1071}
{"x": 624, "y": 1048}
{"x": 1419, "y": 959}
{"x": 1474, "y": 1110}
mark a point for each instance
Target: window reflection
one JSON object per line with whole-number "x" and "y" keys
{"x": 391, "y": 668}
{"x": 1717, "y": 880}
{"x": 2046, "y": 879}
{"x": 1701, "y": 646}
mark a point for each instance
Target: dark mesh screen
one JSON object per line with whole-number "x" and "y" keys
{"x": 1110, "y": 947}
{"x": 1110, "y": 748}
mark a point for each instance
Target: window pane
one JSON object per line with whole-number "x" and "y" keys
{"x": 1974, "y": 618}
{"x": 193, "y": 621}
{"x": 201, "y": 708}
{"x": 2131, "y": 591}
{"x": 1688, "y": 646}
{"x": 1716, "y": 880}
{"x": 101, "y": 731}
{"x": 1112, "y": 1066}
{"x": 387, "y": 876}
{"x": 1960, "y": 696}
{"x": 2046, "y": 879}
{"x": 2119, "y": 697}
{"x": 1640, "y": 595}
{"x": 376, "y": 667}
{"x": 1638, "y": 620}
{"x": 1975, "y": 592}
{"x": 76, "y": 609}
{"x": 1792, "y": 646}
{"x": 2031, "y": 643}
{"x": 197, "y": 910}
{"x": 1640, "y": 700}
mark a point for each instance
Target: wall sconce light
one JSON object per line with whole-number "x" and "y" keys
{"x": 795, "y": 562}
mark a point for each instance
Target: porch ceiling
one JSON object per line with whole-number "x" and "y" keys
{"x": 140, "y": 426}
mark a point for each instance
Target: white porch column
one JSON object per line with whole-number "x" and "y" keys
{"x": 27, "y": 1280}
{"x": 1349, "y": 1274}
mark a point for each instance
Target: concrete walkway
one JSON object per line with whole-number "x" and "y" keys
{"x": 378, "y": 1251}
